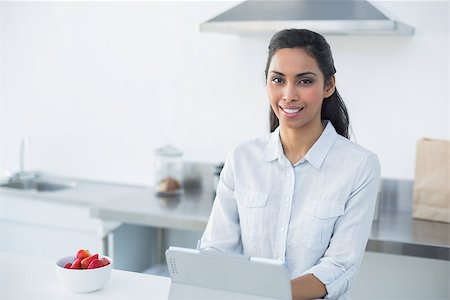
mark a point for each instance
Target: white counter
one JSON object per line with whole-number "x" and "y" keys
{"x": 26, "y": 277}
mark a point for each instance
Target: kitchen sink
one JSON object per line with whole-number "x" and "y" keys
{"x": 32, "y": 180}
{"x": 39, "y": 185}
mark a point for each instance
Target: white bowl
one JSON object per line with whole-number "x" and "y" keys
{"x": 82, "y": 280}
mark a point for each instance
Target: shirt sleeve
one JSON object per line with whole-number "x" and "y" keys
{"x": 223, "y": 231}
{"x": 341, "y": 260}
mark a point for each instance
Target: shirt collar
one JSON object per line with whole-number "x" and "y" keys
{"x": 273, "y": 146}
{"x": 315, "y": 156}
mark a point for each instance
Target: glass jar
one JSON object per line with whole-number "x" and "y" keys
{"x": 168, "y": 171}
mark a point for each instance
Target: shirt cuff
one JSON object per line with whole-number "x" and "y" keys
{"x": 335, "y": 278}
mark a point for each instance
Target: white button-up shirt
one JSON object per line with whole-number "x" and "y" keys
{"x": 315, "y": 215}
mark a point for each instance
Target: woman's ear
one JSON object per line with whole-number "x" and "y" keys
{"x": 330, "y": 87}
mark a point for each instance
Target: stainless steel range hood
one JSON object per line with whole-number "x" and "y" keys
{"x": 336, "y": 17}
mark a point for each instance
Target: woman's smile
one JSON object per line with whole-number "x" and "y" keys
{"x": 291, "y": 112}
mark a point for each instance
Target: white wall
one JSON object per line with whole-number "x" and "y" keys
{"x": 2, "y": 163}
{"x": 99, "y": 86}
{"x": 396, "y": 87}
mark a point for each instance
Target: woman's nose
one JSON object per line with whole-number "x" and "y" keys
{"x": 290, "y": 93}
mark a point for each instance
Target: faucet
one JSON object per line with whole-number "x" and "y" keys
{"x": 24, "y": 143}
{"x": 23, "y": 176}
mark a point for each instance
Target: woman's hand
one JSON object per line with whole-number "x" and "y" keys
{"x": 307, "y": 287}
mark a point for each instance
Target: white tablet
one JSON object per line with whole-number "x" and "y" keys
{"x": 204, "y": 274}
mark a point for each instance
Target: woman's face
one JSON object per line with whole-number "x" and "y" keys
{"x": 295, "y": 86}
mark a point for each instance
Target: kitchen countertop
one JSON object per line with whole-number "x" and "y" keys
{"x": 26, "y": 277}
{"x": 84, "y": 192}
{"x": 399, "y": 233}
{"x": 190, "y": 211}
{"x": 142, "y": 207}
{"x": 395, "y": 231}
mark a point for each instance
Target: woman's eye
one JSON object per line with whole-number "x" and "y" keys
{"x": 305, "y": 81}
{"x": 277, "y": 79}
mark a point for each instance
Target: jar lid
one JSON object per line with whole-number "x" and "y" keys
{"x": 168, "y": 150}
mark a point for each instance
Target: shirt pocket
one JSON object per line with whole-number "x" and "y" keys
{"x": 324, "y": 210}
{"x": 321, "y": 217}
{"x": 252, "y": 212}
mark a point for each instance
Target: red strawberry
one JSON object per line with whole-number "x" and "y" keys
{"x": 95, "y": 263}
{"x": 76, "y": 264}
{"x": 105, "y": 261}
{"x": 82, "y": 254}
{"x": 85, "y": 262}
{"x": 67, "y": 266}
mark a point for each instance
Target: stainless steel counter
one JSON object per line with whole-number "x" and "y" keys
{"x": 142, "y": 207}
{"x": 189, "y": 212}
{"x": 396, "y": 232}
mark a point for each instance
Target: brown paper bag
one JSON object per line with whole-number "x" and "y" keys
{"x": 432, "y": 181}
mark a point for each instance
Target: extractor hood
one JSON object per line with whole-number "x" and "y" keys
{"x": 336, "y": 17}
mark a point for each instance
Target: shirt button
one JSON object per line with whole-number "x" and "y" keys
{"x": 282, "y": 229}
{"x": 286, "y": 199}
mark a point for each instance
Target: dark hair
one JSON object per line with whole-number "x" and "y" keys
{"x": 333, "y": 107}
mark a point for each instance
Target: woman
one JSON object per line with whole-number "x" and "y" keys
{"x": 305, "y": 193}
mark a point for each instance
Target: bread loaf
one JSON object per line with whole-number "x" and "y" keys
{"x": 168, "y": 185}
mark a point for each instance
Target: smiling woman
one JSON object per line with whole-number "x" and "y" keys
{"x": 304, "y": 194}
{"x": 297, "y": 89}
{"x": 318, "y": 71}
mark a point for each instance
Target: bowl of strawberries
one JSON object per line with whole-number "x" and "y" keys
{"x": 84, "y": 272}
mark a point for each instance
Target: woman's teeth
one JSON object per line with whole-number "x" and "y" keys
{"x": 292, "y": 110}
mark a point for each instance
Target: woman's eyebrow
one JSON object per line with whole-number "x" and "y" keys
{"x": 298, "y": 75}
